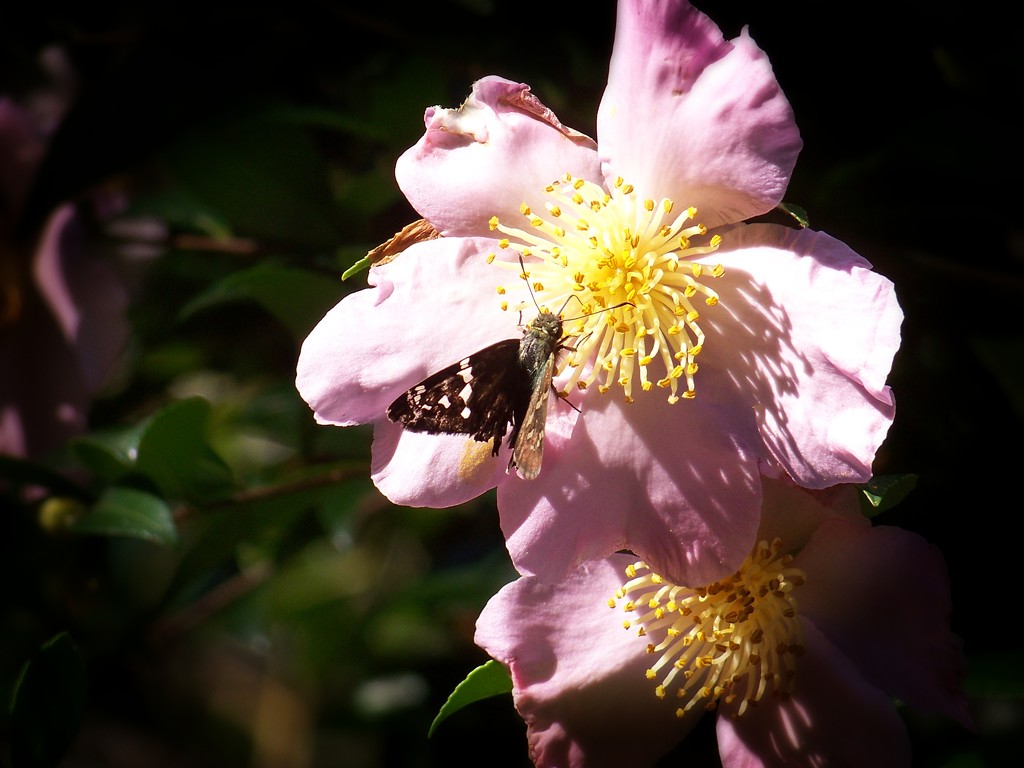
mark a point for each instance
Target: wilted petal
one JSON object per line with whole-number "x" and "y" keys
{"x": 488, "y": 156}
{"x": 692, "y": 117}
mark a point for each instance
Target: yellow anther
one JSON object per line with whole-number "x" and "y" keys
{"x": 622, "y": 259}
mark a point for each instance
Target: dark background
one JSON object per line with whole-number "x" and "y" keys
{"x": 908, "y": 113}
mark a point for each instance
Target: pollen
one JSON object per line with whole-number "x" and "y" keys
{"x": 738, "y": 639}
{"x": 631, "y": 263}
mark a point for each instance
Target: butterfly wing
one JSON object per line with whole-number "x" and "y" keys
{"x": 477, "y": 396}
{"x": 527, "y": 438}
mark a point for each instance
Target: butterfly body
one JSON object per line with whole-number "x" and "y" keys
{"x": 505, "y": 383}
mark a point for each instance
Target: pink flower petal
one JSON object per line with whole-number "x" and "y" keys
{"x": 893, "y": 620}
{"x": 689, "y": 116}
{"x": 496, "y": 151}
{"x": 578, "y": 675}
{"x": 834, "y": 717}
{"x": 430, "y": 307}
{"x": 807, "y": 333}
{"x": 793, "y": 513}
{"x": 421, "y": 470}
{"x": 674, "y": 484}
{"x": 86, "y": 296}
{"x": 68, "y": 332}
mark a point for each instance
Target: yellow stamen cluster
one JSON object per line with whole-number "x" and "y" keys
{"x": 736, "y": 640}
{"x": 631, "y": 263}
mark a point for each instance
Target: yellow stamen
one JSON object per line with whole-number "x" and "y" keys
{"x": 620, "y": 253}
{"x": 737, "y": 639}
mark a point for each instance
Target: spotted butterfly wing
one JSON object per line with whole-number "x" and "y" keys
{"x": 476, "y": 396}
{"x": 481, "y": 395}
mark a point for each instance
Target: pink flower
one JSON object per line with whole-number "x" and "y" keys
{"x": 62, "y": 324}
{"x": 742, "y": 347}
{"x": 800, "y": 652}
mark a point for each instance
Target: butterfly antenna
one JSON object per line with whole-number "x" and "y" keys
{"x": 526, "y": 278}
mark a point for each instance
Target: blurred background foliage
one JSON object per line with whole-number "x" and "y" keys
{"x": 204, "y": 577}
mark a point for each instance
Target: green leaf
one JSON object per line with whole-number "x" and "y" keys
{"x": 797, "y": 213}
{"x": 175, "y": 453}
{"x": 129, "y": 512}
{"x": 489, "y": 679}
{"x": 47, "y": 704}
{"x": 884, "y": 492}
{"x": 297, "y": 298}
{"x": 363, "y": 264}
{"x": 170, "y": 448}
{"x": 109, "y": 455}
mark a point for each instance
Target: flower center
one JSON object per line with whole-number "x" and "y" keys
{"x": 735, "y": 640}
{"x": 630, "y": 264}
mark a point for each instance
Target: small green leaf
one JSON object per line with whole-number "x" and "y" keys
{"x": 355, "y": 269}
{"x": 885, "y": 492}
{"x": 47, "y": 704}
{"x": 489, "y": 679}
{"x": 109, "y": 455}
{"x": 128, "y": 512}
{"x": 797, "y": 213}
{"x": 175, "y": 453}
